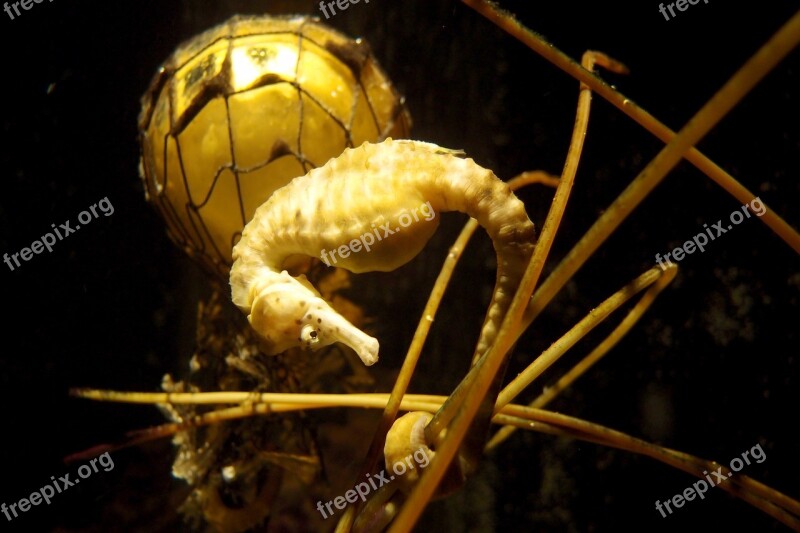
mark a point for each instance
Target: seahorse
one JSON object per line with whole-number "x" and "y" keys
{"x": 369, "y": 191}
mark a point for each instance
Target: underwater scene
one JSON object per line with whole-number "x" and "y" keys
{"x": 372, "y": 265}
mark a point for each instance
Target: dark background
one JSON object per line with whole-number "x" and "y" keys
{"x": 712, "y": 369}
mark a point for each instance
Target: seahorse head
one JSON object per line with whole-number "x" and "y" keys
{"x": 288, "y": 312}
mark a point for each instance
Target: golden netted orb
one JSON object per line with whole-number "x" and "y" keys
{"x": 240, "y": 110}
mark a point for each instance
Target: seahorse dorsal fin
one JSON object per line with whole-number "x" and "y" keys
{"x": 433, "y": 148}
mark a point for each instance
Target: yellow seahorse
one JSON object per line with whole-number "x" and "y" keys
{"x": 366, "y": 190}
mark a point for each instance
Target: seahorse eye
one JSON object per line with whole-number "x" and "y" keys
{"x": 309, "y": 335}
